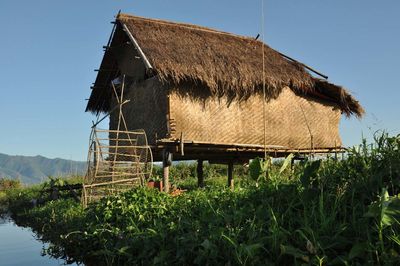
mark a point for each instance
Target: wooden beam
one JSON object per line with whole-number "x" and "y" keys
{"x": 304, "y": 65}
{"x": 200, "y": 176}
{"x": 140, "y": 51}
{"x": 215, "y": 144}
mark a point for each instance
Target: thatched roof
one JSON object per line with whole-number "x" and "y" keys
{"x": 213, "y": 62}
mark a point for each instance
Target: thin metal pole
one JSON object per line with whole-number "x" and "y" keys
{"x": 263, "y": 77}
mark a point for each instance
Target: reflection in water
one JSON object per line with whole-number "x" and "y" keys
{"x": 18, "y": 246}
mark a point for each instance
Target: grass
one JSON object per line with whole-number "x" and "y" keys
{"x": 324, "y": 212}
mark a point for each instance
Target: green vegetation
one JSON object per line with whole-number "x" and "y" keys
{"x": 321, "y": 212}
{"x": 16, "y": 197}
{"x": 7, "y": 184}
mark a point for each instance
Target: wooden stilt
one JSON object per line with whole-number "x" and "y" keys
{"x": 230, "y": 174}
{"x": 200, "y": 176}
{"x": 166, "y": 178}
{"x": 166, "y": 164}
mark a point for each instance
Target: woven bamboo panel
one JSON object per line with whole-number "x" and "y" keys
{"x": 291, "y": 121}
{"x": 115, "y": 164}
{"x": 146, "y": 110}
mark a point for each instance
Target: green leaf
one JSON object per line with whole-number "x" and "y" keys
{"x": 310, "y": 172}
{"x": 252, "y": 248}
{"x": 386, "y": 210}
{"x": 206, "y": 244}
{"x": 395, "y": 239}
{"x": 391, "y": 213}
{"x": 255, "y": 168}
{"x": 358, "y": 250}
{"x": 123, "y": 249}
{"x": 285, "y": 164}
{"x": 229, "y": 240}
{"x": 295, "y": 252}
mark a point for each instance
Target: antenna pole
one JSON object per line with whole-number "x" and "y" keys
{"x": 263, "y": 77}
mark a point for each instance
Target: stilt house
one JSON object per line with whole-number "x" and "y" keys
{"x": 204, "y": 94}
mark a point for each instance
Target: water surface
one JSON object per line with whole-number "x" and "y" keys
{"x": 18, "y": 246}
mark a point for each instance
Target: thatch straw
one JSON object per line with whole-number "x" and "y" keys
{"x": 340, "y": 96}
{"x": 220, "y": 64}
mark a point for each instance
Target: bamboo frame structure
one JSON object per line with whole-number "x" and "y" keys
{"x": 117, "y": 159}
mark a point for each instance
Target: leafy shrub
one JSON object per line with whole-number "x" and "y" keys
{"x": 7, "y": 184}
{"x": 331, "y": 212}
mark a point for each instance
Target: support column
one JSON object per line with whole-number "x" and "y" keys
{"x": 230, "y": 175}
{"x": 200, "y": 176}
{"x": 166, "y": 163}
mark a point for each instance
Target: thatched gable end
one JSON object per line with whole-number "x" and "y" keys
{"x": 214, "y": 63}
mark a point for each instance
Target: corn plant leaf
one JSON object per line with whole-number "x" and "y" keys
{"x": 310, "y": 172}
{"x": 386, "y": 210}
{"x": 256, "y": 168}
{"x": 287, "y": 162}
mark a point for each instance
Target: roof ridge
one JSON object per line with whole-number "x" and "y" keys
{"x": 185, "y": 25}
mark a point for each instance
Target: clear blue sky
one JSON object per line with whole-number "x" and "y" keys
{"x": 49, "y": 48}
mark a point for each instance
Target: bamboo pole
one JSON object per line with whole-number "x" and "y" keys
{"x": 109, "y": 183}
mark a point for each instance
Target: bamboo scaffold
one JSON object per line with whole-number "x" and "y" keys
{"x": 118, "y": 159}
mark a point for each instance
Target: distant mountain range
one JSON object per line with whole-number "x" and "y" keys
{"x": 34, "y": 169}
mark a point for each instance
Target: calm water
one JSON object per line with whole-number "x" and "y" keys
{"x": 18, "y": 246}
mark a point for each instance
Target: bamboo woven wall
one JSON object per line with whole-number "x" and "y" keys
{"x": 146, "y": 110}
{"x": 289, "y": 120}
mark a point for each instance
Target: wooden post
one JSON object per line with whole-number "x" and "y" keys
{"x": 200, "y": 176}
{"x": 166, "y": 178}
{"x": 230, "y": 174}
{"x": 182, "y": 145}
{"x": 335, "y": 151}
{"x": 166, "y": 164}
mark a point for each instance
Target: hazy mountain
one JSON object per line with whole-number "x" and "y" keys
{"x": 34, "y": 169}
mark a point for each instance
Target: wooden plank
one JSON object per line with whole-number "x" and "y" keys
{"x": 254, "y": 149}
{"x": 188, "y": 142}
{"x": 229, "y": 152}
